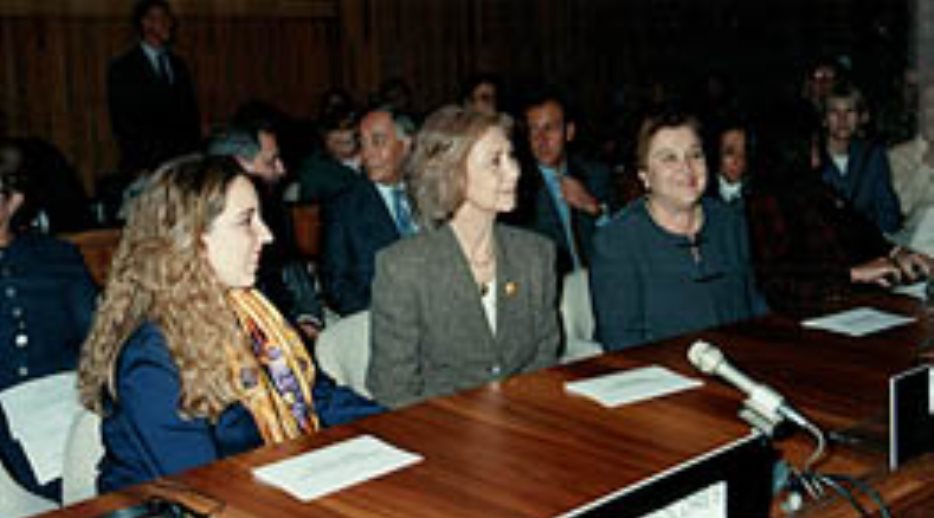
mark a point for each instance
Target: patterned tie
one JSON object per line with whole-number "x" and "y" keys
{"x": 401, "y": 208}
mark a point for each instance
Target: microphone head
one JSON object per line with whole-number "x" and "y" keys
{"x": 706, "y": 357}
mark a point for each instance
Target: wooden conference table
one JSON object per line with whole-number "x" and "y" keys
{"x": 525, "y": 447}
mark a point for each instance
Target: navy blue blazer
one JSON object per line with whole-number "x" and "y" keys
{"x": 145, "y": 437}
{"x": 152, "y": 120}
{"x": 537, "y": 212}
{"x": 47, "y": 302}
{"x": 357, "y": 224}
{"x": 867, "y": 184}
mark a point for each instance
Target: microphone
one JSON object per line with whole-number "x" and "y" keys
{"x": 762, "y": 399}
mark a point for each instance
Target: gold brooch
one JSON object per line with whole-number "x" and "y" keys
{"x": 511, "y": 288}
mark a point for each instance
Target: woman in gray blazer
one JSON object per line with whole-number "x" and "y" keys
{"x": 466, "y": 301}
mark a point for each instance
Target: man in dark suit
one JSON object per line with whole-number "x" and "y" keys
{"x": 152, "y": 103}
{"x": 856, "y": 169}
{"x": 560, "y": 196}
{"x": 371, "y": 214}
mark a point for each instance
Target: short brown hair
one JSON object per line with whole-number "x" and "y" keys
{"x": 663, "y": 119}
{"x": 437, "y": 170}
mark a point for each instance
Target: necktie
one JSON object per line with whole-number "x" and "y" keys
{"x": 165, "y": 69}
{"x": 401, "y": 208}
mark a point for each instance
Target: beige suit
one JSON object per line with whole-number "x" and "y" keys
{"x": 430, "y": 335}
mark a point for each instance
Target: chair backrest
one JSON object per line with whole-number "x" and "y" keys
{"x": 97, "y": 247}
{"x": 16, "y": 502}
{"x": 343, "y": 351}
{"x": 306, "y": 224}
{"x": 83, "y": 450}
{"x": 577, "y": 317}
{"x": 576, "y": 312}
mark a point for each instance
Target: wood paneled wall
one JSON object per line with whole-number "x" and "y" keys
{"x": 54, "y": 58}
{"x": 53, "y": 54}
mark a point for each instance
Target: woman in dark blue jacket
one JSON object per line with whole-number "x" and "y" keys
{"x": 186, "y": 361}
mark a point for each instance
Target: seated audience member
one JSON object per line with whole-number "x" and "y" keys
{"x": 368, "y": 216}
{"x": 57, "y": 201}
{"x": 327, "y": 173}
{"x": 481, "y": 93}
{"x": 810, "y": 246}
{"x": 466, "y": 301}
{"x": 856, "y": 169}
{"x": 732, "y": 153}
{"x": 46, "y": 304}
{"x": 673, "y": 261}
{"x": 186, "y": 362}
{"x": 819, "y": 80}
{"x": 913, "y": 175}
{"x": 282, "y": 275}
{"x": 560, "y": 196}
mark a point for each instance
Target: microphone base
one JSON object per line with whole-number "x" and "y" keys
{"x": 767, "y": 425}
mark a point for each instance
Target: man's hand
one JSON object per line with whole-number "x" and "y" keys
{"x": 913, "y": 265}
{"x": 577, "y": 196}
{"x": 880, "y": 271}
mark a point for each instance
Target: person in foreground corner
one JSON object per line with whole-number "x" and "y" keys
{"x": 467, "y": 301}
{"x": 672, "y": 262}
{"x": 186, "y": 361}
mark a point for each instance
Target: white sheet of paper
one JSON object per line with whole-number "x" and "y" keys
{"x": 620, "y": 388}
{"x": 40, "y": 413}
{"x": 709, "y": 502}
{"x": 320, "y": 472}
{"x": 858, "y": 321}
{"x": 917, "y": 290}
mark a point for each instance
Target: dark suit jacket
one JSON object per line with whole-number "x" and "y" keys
{"x": 536, "y": 211}
{"x": 356, "y": 226}
{"x": 322, "y": 178}
{"x": 152, "y": 120}
{"x": 867, "y": 185}
{"x": 429, "y": 332}
{"x": 145, "y": 437}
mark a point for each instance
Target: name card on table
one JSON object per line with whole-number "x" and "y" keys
{"x": 917, "y": 290}
{"x": 858, "y": 321}
{"x": 911, "y": 414}
{"x": 327, "y": 470}
{"x": 620, "y": 388}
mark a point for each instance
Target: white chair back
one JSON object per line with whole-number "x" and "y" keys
{"x": 16, "y": 502}
{"x": 343, "y": 351}
{"x": 577, "y": 318}
{"x": 82, "y": 452}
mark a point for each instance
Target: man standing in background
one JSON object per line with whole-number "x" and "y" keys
{"x": 150, "y": 95}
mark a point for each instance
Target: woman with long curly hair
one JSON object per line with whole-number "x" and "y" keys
{"x": 186, "y": 362}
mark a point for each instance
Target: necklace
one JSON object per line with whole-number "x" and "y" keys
{"x": 484, "y": 288}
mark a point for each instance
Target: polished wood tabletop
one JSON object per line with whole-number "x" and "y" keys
{"x": 526, "y": 447}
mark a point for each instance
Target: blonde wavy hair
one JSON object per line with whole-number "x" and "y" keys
{"x": 160, "y": 275}
{"x": 436, "y": 172}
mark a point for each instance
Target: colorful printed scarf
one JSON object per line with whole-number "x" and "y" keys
{"x": 279, "y": 397}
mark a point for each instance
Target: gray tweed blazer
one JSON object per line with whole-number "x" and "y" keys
{"x": 429, "y": 334}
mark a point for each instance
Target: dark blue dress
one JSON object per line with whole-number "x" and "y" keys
{"x": 648, "y": 284}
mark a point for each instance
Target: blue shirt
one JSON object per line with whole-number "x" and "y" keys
{"x": 552, "y": 178}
